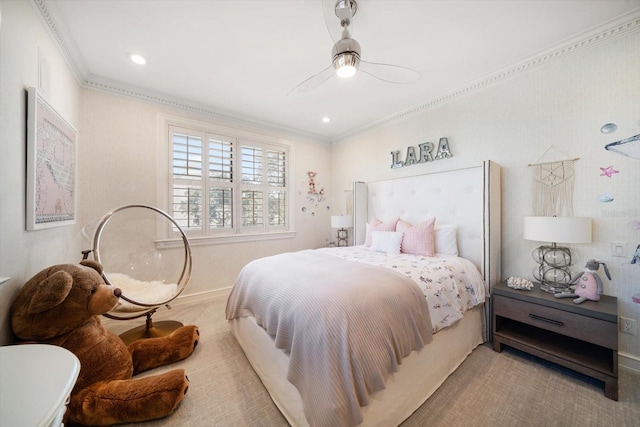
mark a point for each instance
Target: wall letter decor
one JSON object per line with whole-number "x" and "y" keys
{"x": 425, "y": 154}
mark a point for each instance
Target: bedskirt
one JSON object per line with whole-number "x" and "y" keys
{"x": 418, "y": 377}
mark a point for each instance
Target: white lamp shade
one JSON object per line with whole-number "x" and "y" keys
{"x": 341, "y": 221}
{"x": 560, "y": 229}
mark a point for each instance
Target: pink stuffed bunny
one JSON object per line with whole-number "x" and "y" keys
{"x": 588, "y": 285}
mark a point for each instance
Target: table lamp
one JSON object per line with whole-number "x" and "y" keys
{"x": 553, "y": 271}
{"x": 342, "y": 222}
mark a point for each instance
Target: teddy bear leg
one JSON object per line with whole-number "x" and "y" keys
{"x": 149, "y": 353}
{"x": 132, "y": 400}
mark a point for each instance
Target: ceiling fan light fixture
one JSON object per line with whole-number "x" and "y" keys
{"x": 346, "y": 64}
{"x": 346, "y": 56}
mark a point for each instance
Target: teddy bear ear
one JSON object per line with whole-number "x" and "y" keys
{"x": 50, "y": 292}
{"x": 93, "y": 264}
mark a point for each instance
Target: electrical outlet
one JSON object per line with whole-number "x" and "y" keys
{"x": 628, "y": 326}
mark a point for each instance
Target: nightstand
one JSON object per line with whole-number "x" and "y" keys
{"x": 582, "y": 337}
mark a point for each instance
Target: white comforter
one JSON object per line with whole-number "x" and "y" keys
{"x": 451, "y": 285}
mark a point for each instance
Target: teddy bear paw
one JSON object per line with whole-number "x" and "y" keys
{"x": 186, "y": 339}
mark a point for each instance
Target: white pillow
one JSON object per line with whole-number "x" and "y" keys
{"x": 376, "y": 225}
{"x": 386, "y": 241}
{"x": 446, "y": 241}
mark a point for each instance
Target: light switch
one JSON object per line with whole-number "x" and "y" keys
{"x": 619, "y": 249}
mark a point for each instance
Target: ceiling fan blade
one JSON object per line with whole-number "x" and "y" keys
{"x": 338, "y": 14}
{"x": 390, "y": 73}
{"x": 313, "y": 81}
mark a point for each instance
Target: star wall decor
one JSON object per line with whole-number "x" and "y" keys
{"x": 608, "y": 171}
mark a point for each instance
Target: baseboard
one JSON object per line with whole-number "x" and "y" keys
{"x": 182, "y": 299}
{"x": 201, "y": 296}
{"x": 629, "y": 361}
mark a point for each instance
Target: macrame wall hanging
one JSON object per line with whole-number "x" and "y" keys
{"x": 553, "y": 182}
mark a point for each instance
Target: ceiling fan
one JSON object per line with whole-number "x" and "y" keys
{"x": 346, "y": 56}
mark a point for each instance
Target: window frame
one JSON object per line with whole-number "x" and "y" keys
{"x": 237, "y": 233}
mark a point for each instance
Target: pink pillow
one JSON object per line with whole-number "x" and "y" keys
{"x": 418, "y": 239}
{"x": 376, "y": 225}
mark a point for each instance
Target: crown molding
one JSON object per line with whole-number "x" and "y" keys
{"x": 49, "y": 15}
{"x": 46, "y": 10}
{"x": 109, "y": 86}
{"x": 621, "y": 26}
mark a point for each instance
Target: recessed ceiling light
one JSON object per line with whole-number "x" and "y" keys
{"x": 137, "y": 58}
{"x": 326, "y": 119}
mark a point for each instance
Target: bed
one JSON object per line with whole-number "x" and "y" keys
{"x": 374, "y": 370}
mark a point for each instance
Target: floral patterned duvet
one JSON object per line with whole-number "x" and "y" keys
{"x": 451, "y": 285}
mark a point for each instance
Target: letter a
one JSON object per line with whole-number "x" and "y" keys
{"x": 443, "y": 149}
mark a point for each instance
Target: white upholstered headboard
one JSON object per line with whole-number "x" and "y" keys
{"x": 470, "y": 198}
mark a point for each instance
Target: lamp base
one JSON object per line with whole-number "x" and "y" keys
{"x": 343, "y": 237}
{"x": 553, "y": 271}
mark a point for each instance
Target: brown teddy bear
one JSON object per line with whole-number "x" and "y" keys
{"x": 61, "y": 305}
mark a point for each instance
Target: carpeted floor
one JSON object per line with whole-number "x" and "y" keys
{"x": 489, "y": 389}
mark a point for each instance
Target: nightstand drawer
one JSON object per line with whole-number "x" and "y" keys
{"x": 584, "y": 328}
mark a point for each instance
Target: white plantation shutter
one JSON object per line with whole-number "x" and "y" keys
{"x": 221, "y": 208}
{"x": 276, "y": 182}
{"x": 220, "y": 158}
{"x": 277, "y": 208}
{"x": 252, "y": 188}
{"x": 251, "y": 164}
{"x": 221, "y": 184}
{"x": 252, "y": 208}
{"x": 187, "y": 188}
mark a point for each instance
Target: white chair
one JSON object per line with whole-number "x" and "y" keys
{"x": 138, "y": 249}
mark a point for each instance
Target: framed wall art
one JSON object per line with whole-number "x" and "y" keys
{"x": 51, "y": 166}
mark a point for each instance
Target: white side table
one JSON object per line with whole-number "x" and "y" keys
{"x": 35, "y": 383}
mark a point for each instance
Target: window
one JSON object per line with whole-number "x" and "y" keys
{"x": 227, "y": 185}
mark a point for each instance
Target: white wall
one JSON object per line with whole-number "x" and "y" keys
{"x": 24, "y": 46}
{"x": 122, "y": 160}
{"x": 562, "y": 104}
